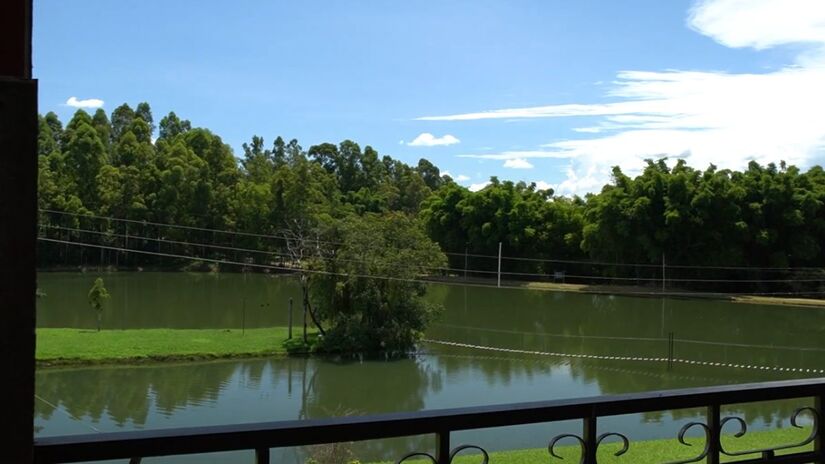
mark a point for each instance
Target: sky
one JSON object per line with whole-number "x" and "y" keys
{"x": 551, "y": 92}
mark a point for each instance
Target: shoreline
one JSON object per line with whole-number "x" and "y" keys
{"x": 635, "y": 291}
{"x": 69, "y": 347}
{"x": 621, "y": 290}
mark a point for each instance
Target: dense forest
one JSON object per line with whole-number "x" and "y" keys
{"x": 762, "y": 227}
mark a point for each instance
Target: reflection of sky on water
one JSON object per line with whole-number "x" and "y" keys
{"x": 152, "y": 397}
{"x": 82, "y": 400}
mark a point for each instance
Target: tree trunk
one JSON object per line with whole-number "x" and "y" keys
{"x": 307, "y": 304}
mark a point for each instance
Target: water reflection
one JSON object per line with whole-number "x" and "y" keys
{"x": 157, "y": 396}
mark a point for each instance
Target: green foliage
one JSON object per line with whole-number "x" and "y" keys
{"x": 97, "y": 296}
{"x": 768, "y": 216}
{"x": 367, "y": 314}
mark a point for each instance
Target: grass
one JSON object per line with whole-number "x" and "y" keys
{"x": 76, "y": 346}
{"x": 645, "y": 452}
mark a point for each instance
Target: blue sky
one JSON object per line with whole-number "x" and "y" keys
{"x": 549, "y": 92}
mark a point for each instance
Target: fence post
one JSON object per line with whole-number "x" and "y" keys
{"x": 290, "y": 318}
{"x": 442, "y": 447}
{"x": 589, "y": 436}
{"x": 714, "y": 427}
{"x": 262, "y": 455}
{"x": 499, "y": 264}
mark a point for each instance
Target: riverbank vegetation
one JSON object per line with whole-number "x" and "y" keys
{"x": 65, "y": 346}
{"x": 755, "y": 231}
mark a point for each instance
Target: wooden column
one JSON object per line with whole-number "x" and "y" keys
{"x": 18, "y": 219}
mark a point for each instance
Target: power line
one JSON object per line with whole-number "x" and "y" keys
{"x": 436, "y": 268}
{"x": 245, "y": 250}
{"x": 178, "y": 226}
{"x": 423, "y": 281}
{"x": 449, "y": 253}
{"x": 631, "y": 339}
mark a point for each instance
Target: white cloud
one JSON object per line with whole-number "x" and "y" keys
{"x": 517, "y": 163}
{"x": 88, "y": 103}
{"x": 542, "y": 185}
{"x": 479, "y": 186}
{"x": 727, "y": 119}
{"x": 462, "y": 178}
{"x": 760, "y": 24}
{"x": 425, "y": 139}
{"x": 518, "y": 154}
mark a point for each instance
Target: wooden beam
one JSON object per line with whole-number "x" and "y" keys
{"x": 18, "y": 222}
{"x": 15, "y": 38}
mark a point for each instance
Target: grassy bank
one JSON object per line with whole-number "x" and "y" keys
{"x": 646, "y": 452}
{"x": 77, "y": 346}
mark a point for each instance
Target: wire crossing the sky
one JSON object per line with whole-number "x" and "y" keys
{"x": 283, "y": 237}
{"x": 423, "y": 278}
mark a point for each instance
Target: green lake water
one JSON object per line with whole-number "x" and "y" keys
{"x": 92, "y": 399}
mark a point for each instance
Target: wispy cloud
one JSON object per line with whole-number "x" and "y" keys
{"x": 518, "y": 154}
{"x": 705, "y": 117}
{"x": 425, "y": 139}
{"x": 88, "y": 103}
{"x": 517, "y": 163}
{"x": 462, "y": 178}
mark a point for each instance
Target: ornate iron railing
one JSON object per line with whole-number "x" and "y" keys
{"x": 262, "y": 437}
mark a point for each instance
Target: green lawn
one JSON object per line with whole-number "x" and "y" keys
{"x": 642, "y": 452}
{"x": 76, "y": 346}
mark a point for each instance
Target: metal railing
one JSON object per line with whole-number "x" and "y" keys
{"x": 261, "y": 437}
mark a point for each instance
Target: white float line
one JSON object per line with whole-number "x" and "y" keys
{"x": 629, "y": 358}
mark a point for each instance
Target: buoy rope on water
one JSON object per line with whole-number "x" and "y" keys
{"x": 628, "y": 358}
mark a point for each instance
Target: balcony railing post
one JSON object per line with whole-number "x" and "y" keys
{"x": 819, "y": 441}
{"x": 261, "y": 455}
{"x": 589, "y": 437}
{"x": 442, "y": 447}
{"x": 714, "y": 427}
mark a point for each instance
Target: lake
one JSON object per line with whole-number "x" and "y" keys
{"x": 114, "y": 398}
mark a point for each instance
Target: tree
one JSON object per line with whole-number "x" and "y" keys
{"x": 97, "y": 296}
{"x": 122, "y": 118}
{"x": 85, "y": 155}
{"x": 367, "y": 289}
{"x": 171, "y": 125}
{"x": 144, "y": 112}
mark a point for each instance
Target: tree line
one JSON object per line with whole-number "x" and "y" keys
{"x": 112, "y": 166}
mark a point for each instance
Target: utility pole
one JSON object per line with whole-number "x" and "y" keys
{"x": 663, "y": 273}
{"x": 290, "y": 318}
{"x": 465, "y": 262}
{"x": 499, "y": 264}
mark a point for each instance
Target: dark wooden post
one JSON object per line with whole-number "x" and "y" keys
{"x": 18, "y": 216}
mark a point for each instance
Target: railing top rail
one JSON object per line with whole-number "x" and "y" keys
{"x": 206, "y": 439}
